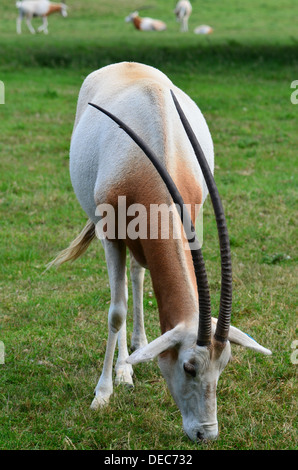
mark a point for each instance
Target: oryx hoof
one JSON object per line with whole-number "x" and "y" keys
{"x": 99, "y": 402}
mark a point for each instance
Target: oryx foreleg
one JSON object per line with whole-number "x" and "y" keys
{"x": 116, "y": 262}
{"x": 137, "y": 273}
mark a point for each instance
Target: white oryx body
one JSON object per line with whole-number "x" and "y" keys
{"x": 42, "y": 8}
{"x": 105, "y": 164}
{"x": 145, "y": 23}
{"x": 183, "y": 11}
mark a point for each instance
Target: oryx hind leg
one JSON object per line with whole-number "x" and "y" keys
{"x": 116, "y": 263}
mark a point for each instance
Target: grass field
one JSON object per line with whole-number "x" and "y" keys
{"x": 54, "y": 326}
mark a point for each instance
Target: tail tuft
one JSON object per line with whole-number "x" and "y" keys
{"x": 77, "y": 247}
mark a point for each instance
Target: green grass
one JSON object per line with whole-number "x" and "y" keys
{"x": 54, "y": 326}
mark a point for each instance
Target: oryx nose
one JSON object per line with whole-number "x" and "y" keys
{"x": 207, "y": 432}
{"x": 202, "y": 431}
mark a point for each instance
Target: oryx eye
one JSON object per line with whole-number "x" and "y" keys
{"x": 189, "y": 368}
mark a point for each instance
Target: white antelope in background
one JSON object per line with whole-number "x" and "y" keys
{"x": 183, "y": 11}
{"x": 159, "y": 167}
{"x": 203, "y": 29}
{"x": 145, "y": 24}
{"x": 42, "y": 8}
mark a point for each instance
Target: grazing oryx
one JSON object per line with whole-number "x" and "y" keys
{"x": 42, "y": 8}
{"x": 145, "y": 24}
{"x": 183, "y": 11}
{"x": 159, "y": 167}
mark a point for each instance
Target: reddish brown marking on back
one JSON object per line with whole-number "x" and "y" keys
{"x": 132, "y": 72}
{"x": 53, "y": 8}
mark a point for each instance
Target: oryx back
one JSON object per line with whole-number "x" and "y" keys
{"x": 105, "y": 162}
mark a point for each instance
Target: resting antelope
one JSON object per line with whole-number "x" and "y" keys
{"x": 42, "y": 8}
{"x": 158, "y": 167}
{"x": 203, "y": 29}
{"x": 145, "y": 24}
{"x": 183, "y": 11}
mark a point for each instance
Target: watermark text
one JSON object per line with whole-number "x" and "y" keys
{"x": 155, "y": 221}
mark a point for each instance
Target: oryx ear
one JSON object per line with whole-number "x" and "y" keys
{"x": 238, "y": 337}
{"x": 168, "y": 340}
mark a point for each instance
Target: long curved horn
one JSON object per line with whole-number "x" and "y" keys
{"x": 225, "y": 308}
{"x": 204, "y": 335}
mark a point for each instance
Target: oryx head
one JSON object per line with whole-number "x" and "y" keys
{"x": 131, "y": 16}
{"x": 192, "y": 357}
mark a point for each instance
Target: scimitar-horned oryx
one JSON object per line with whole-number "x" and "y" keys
{"x": 183, "y": 11}
{"x": 145, "y": 24}
{"x": 41, "y": 8}
{"x": 161, "y": 166}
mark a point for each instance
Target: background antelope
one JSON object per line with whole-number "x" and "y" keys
{"x": 160, "y": 166}
{"x": 43, "y": 8}
{"x": 145, "y": 24}
{"x": 183, "y": 11}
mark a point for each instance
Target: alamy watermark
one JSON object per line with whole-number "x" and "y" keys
{"x": 2, "y": 93}
{"x": 155, "y": 221}
{"x": 294, "y": 95}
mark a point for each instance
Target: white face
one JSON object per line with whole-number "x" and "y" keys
{"x": 192, "y": 376}
{"x": 192, "y": 373}
{"x": 131, "y": 16}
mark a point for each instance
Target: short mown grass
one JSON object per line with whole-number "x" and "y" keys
{"x": 54, "y": 325}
